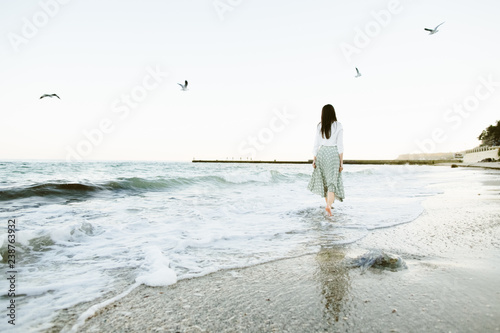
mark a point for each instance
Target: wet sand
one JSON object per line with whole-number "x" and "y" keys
{"x": 452, "y": 283}
{"x": 483, "y": 165}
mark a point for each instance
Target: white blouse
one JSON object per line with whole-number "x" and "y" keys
{"x": 336, "y": 138}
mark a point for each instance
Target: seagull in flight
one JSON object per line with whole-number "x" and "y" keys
{"x": 184, "y": 86}
{"x": 433, "y": 31}
{"x": 358, "y": 74}
{"x": 49, "y": 95}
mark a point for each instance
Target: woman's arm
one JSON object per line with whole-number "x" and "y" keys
{"x": 340, "y": 139}
{"x": 340, "y": 147}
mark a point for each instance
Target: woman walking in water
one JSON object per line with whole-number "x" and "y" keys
{"x": 328, "y": 159}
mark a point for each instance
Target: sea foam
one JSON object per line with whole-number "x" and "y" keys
{"x": 98, "y": 230}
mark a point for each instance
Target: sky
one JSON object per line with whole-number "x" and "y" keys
{"x": 259, "y": 74}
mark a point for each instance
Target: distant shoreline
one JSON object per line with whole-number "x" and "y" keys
{"x": 393, "y": 162}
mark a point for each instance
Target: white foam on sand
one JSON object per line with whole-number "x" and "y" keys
{"x": 93, "y": 310}
{"x": 156, "y": 273}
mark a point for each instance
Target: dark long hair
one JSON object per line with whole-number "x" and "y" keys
{"x": 328, "y": 117}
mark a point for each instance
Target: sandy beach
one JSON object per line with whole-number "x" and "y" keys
{"x": 451, "y": 284}
{"x": 483, "y": 165}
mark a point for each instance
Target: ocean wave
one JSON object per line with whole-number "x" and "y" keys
{"x": 79, "y": 190}
{"x": 46, "y": 190}
{"x": 368, "y": 171}
{"x": 31, "y": 242}
{"x": 271, "y": 176}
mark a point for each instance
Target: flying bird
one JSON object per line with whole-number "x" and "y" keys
{"x": 184, "y": 86}
{"x": 358, "y": 74}
{"x": 433, "y": 31}
{"x": 50, "y": 95}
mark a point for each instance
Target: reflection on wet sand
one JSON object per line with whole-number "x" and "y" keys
{"x": 333, "y": 277}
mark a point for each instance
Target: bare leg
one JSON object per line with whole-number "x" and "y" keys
{"x": 326, "y": 201}
{"x": 329, "y": 202}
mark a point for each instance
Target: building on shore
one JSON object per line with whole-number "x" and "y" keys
{"x": 474, "y": 155}
{"x": 482, "y": 153}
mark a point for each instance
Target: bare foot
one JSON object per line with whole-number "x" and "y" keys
{"x": 328, "y": 210}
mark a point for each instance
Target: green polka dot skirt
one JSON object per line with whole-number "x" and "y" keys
{"x": 326, "y": 177}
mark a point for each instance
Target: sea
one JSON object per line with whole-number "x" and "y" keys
{"x": 92, "y": 231}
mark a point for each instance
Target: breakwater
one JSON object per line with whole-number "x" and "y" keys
{"x": 395, "y": 162}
